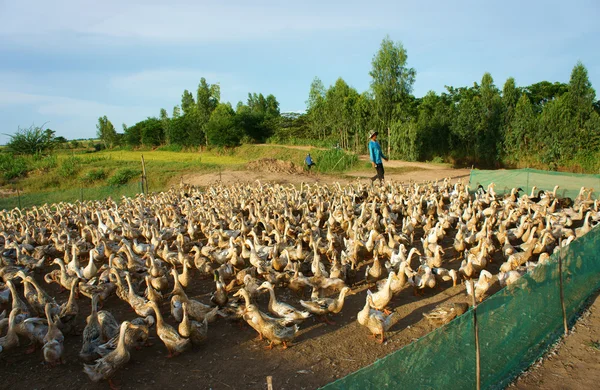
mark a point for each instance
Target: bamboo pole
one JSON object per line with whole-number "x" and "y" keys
{"x": 389, "y": 142}
{"x": 562, "y": 292}
{"x": 144, "y": 177}
{"x": 19, "y": 197}
{"x": 475, "y": 326}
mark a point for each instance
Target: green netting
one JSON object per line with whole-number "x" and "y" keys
{"x": 422, "y": 364}
{"x": 569, "y": 183}
{"x": 581, "y": 271}
{"x": 516, "y": 326}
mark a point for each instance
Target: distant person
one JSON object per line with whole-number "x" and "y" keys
{"x": 309, "y": 162}
{"x": 376, "y": 155}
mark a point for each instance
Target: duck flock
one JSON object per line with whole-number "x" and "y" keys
{"x": 320, "y": 241}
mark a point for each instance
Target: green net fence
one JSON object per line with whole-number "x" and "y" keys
{"x": 569, "y": 183}
{"x": 516, "y": 326}
{"x": 70, "y": 195}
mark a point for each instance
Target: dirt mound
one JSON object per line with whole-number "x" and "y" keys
{"x": 273, "y": 165}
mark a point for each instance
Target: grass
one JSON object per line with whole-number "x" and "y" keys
{"x": 64, "y": 175}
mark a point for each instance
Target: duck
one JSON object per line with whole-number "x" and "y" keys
{"x": 372, "y": 274}
{"x": 92, "y": 334}
{"x": 282, "y": 309}
{"x": 277, "y": 332}
{"x": 139, "y": 304}
{"x": 444, "y": 313}
{"x": 11, "y": 339}
{"x": 136, "y": 336}
{"x": 173, "y": 341}
{"x": 65, "y": 279}
{"x": 68, "y": 313}
{"x": 196, "y": 310}
{"x": 219, "y": 296}
{"x": 482, "y": 285}
{"x": 383, "y": 296}
{"x": 324, "y": 306}
{"x": 193, "y": 330}
{"x": 376, "y": 321}
{"x": 510, "y": 277}
{"x": 53, "y": 347}
{"x": 107, "y": 366}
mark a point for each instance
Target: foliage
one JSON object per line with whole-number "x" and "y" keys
{"x": 33, "y": 140}
{"x": 391, "y": 82}
{"x": 94, "y": 175}
{"x": 221, "y": 129}
{"x": 334, "y": 160}
{"x": 106, "y": 132}
{"x": 69, "y": 167}
{"x": 12, "y": 166}
{"x": 123, "y": 176}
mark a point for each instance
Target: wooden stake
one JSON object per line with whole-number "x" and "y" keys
{"x": 560, "y": 283}
{"x": 144, "y": 178}
{"x": 477, "y": 356}
{"x": 389, "y": 142}
{"x": 19, "y": 197}
{"x": 269, "y": 382}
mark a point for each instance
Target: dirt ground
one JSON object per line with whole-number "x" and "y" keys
{"x": 232, "y": 357}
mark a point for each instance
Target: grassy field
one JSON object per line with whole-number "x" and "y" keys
{"x": 81, "y": 175}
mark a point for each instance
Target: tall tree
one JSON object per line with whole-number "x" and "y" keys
{"x": 581, "y": 95}
{"x": 520, "y": 133}
{"x": 166, "y": 125}
{"x": 207, "y": 99}
{"x": 316, "y": 109}
{"x": 392, "y": 81}
{"x": 106, "y": 132}
{"x": 221, "y": 129}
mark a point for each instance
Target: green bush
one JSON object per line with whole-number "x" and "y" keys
{"x": 69, "y": 167}
{"x": 44, "y": 163}
{"x": 33, "y": 140}
{"x": 123, "y": 176}
{"x": 171, "y": 148}
{"x": 12, "y": 166}
{"x": 94, "y": 175}
{"x": 334, "y": 160}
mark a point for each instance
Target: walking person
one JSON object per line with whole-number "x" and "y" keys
{"x": 376, "y": 155}
{"x": 309, "y": 162}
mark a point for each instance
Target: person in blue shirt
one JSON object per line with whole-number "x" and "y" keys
{"x": 309, "y": 161}
{"x": 376, "y": 155}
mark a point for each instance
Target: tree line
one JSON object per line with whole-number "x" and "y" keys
{"x": 548, "y": 124}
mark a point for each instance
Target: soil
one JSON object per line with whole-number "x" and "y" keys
{"x": 232, "y": 357}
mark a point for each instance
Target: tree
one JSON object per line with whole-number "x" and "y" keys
{"x": 581, "y": 95}
{"x": 106, "y": 132}
{"x": 221, "y": 129}
{"x": 33, "y": 140}
{"x": 207, "y": 99}
{"x": 392, "y": 81}
{"x": 316, "y": 110}
{"x": 520, "y": 133}
{"x": 489, "y": 142}
{"x": 543, "y": 92}
{"x": 166, "y": 128}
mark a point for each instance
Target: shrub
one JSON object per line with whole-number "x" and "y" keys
{"x": 94, "y": 175}
{"x": 12, "y": 166}
{"x": 44, "y": 163}
{"x": 123, "y": 176}
{"x": 334, "y": 160}
{"x": 69, "y": 167}
{"x": 33, "y": 140}
{"x": 171, "y": 148}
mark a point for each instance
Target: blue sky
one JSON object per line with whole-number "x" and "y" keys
{"x": 67, "y": 62}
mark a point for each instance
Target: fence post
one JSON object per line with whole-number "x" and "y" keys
{"x": 560, "y": 283}
{"x": 144, "y": 177}
{"x": 81, "y": 195}
{"x": 19, "y": 197}
{"x": 477, "y": 356}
